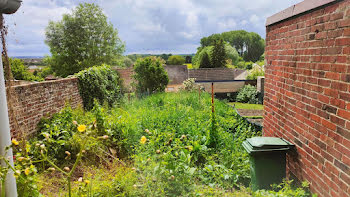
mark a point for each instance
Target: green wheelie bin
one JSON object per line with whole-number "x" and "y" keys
{"x": 267, "y": 160}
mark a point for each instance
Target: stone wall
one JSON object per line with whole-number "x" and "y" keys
{"x": 176, "y": 73}
{"x": 33, "y": 101}
{"x": 307, "y": 91}
{"x": 208, "y": 74}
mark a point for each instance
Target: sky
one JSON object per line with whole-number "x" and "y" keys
{"x": 146, "y": 26}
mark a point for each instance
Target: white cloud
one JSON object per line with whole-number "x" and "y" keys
{"x": 152, "y": 25}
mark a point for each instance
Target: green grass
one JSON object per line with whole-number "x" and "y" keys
{"x": 254, "y": 117}
{"x": 247, "y": 106}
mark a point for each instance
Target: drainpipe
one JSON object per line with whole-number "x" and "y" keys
{"x": 5, "y": 137}
{"x": 6, "y": 7}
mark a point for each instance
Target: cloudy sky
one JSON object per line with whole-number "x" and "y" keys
{"x": 146, "y": 26}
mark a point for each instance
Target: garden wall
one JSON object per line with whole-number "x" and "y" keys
{"x": 34, "y": 101}
{"x": 307, "y": 91}
{"x": 207, "y": 74}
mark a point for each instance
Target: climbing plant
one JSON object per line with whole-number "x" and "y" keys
{"x": 100, "y": 83}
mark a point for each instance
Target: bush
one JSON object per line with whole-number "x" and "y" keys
{"x": 247, "y": 94}
{"x": 101, "y": 83}
{"x": 176, "y": 60}
{"x": 189, "y": 85}
{"x": 285, "y": 189}
{"x": 150, "y": 75}
{"x": 245, "y": 65}
{"x": 256, "y": 72}
{"x": 127, "y": 62}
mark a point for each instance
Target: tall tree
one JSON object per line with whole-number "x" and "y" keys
{"x": 218, "y": 55}
{"x": 205, "y": 61}
{"x": 249, "y": 45}
{"x": 82, "y": 39}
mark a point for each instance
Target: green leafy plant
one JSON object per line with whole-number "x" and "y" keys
{"x": 21, "y": 72}
{"x": 285, "y": 189}
{"x": 190, "y": 85}
{"x": 24, "y": 171}
{"x": 150, "y": 75}
{"x": 247, "y": 94}
{"x": 176, "y": 60}
{"x": 100, "y": 83}
{"x": 256, "y": 72}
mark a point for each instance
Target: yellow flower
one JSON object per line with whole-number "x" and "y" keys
{"x": 87, "y": 182}
{"x": 27, "y": 171}
{"x": 81, "y": 128}
{"x": 15, "y": 142}
{"x": 143, "y": 140}
{"x": 20, "y": 159}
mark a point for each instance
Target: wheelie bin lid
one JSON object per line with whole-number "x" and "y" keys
{"x": 266, "y": 144}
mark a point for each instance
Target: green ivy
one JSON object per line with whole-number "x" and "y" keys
{"x": 100, "y": 83}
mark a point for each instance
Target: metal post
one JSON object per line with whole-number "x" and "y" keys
{"x": 5, "y": 137}
{"x": 199, "y": 94}
{"x": 212, "y": 97}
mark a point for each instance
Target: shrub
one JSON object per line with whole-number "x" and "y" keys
{"x": 247, "y": 94}
{"x": 245, "y": 65}
{"x": 127, "y": 62}
{"x": 101, "y": 83}
{"x": 189, "y": 85}
{"x": 176, "y": 60}
{"x": 254, "y": 73}
{"x": 150, "y": 75}
{"x": 285, "y": 189}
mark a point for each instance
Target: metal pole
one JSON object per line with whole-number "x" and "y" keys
{"x": 199, "y": 94}
{"x": 5, "y": 137}
{"x": 212, "y": 98}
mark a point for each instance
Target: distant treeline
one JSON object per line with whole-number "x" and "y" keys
{"x": 187, "y": 57}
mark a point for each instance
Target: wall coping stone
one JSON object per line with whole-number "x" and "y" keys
{"x": 297, "y": 9}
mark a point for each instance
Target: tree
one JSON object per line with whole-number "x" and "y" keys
{"x": 81, "y": 40}
{"x": 249, "y": 45}
{"x": 20, "y": 71}
{"x": 231, "y": 54}
{"x": 205, "y": 61}
{"x": 176, "y": 60}
{"x": 150, "y": 75}
{"x": 218, "y": 55}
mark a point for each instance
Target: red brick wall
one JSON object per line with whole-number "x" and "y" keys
{"x": 126, "y": 75}
{"x": 33, "y": 101}
{"x": 307, "y": 95}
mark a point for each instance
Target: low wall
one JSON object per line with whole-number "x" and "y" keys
{"x": 227, "y": 87}
{"x": 31, "y": 102}
{"x": 207, "y": 74}
{"x": 177, "y": 74}
{"x": 126, "y": 75}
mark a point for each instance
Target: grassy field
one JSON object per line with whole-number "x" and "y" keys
{"x": 247, "y": 106}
